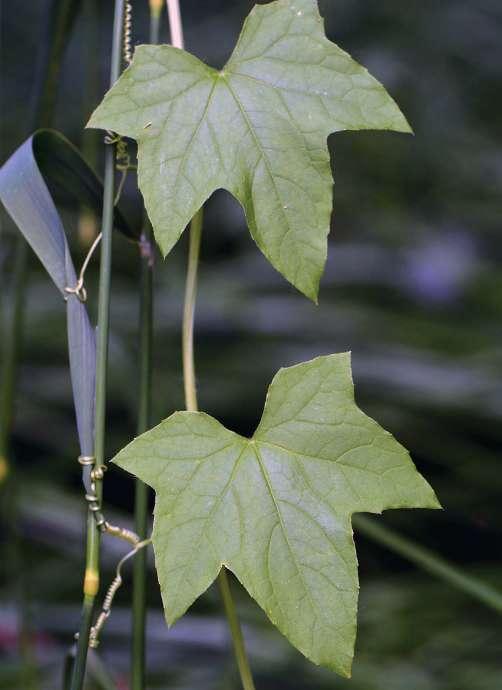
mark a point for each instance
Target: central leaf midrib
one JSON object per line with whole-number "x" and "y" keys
{"x": 259, "y": 146}
{"x": 322, "y": 499}
{"x": 281, "y": 522}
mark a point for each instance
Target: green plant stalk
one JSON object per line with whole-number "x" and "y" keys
{"x": 139, "y": 588}
{"x": 235, "y": 631}
{"x": 96, "y": 670}
{"x": 138, "y": 646}
{"x": 141, "y": 489}
{"x": 192, "y": 406}
{"x": 91, "y": 142}
{"x": 91, "y": 579}
{"x": 429, "y": 561}
{"x": 189, "y": 382}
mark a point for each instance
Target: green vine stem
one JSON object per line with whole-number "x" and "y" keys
{"x": 141, "y": 489}
{"x": 138, "y": 664}
{"x": 91, "y": 579}
{"x": 189, "y": 312}
{"x": 192, "y": 406}
{"x": 429, "y": 561}
{"x": 235, "y": 631}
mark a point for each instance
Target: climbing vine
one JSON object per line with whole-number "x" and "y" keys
{"x": 276, "y": 509}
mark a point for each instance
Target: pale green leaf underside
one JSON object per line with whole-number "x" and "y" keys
{"x": 276, "y": 509}
{"x": 257, "y": 128}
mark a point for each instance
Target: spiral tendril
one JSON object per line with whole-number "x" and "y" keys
{"x": 128, "y": 33}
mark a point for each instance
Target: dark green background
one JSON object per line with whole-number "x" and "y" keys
{"x": 413, "y": 286}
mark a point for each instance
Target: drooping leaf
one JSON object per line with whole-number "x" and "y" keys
{"x": 257, "y": 128}
{"x": 44, "y": 168}
{"x": 276, "y": 509}
{"x": 28, "y": 201}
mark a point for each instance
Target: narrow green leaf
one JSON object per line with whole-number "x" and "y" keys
{"x": 276, "y": 509}
{"x": 257, "y": 128}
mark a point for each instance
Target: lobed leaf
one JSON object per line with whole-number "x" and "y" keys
{"x": 276, "y": 509}
{"x": 256, "y": 128}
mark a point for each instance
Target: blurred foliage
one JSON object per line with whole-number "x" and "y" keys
{"x": 413, "y": 287}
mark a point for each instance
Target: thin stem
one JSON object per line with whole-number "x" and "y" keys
{"x": 155, "y": 15}
{"x": 175, "y": 23}
{"x": 91, "y": 579}
{"x": 90, "y": 145}
{"x": 138, "y": 664}
{"x": 141, "y": 489}
{"x": 189, "y": 313}
{"x": 192, "y": 406}
{"x": 79, "y": 664}
{"x": 236, "y": 632}
{"x": 429, "y": 561}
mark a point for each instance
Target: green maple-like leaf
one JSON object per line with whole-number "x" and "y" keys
{"x": 276, "y": 509}
{"x": 257, "y": 128}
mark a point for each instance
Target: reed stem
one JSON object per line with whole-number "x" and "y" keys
{"x": 429, "y": 561}
{"x": 138, "y": 649}
{"x": 141, "y": 489}
{"x": 91, "y": 579}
